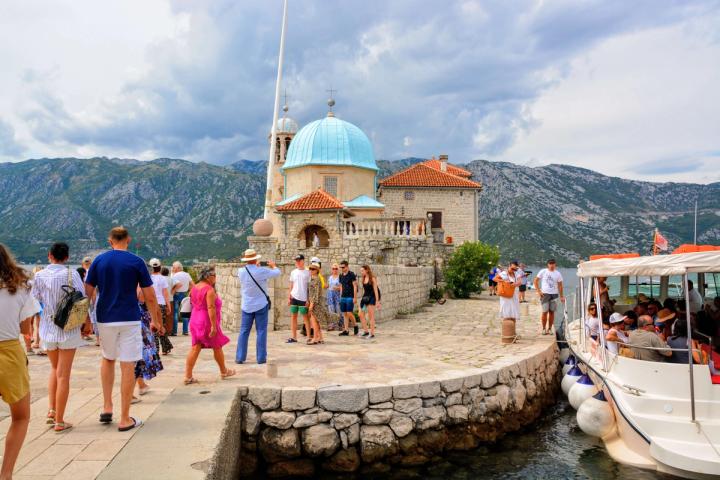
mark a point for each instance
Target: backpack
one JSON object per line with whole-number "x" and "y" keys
{"x": 72, "y": 309}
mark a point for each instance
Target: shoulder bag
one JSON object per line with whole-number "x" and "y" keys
{"x": 72, "y": 310}
{"x": 260, "y": 288}
{"x": 504, "y": 288}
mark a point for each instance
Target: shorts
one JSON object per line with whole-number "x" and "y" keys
{"x": 75, "y": 341}
{"x": 365, "y": 301}
{"x": 298, "y": 306}
{"x": 121, "y": 342}
{"x": 15, "y": 380}
{"x": 549, "y": 302}
{"x": 347, "y": 304}
{"x": 523, "y": 288}
{"x": 491, "y": 283}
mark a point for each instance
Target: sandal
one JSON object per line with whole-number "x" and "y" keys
{"x": 143, "y": 390}
{"x": 190, "y": 381}
{"x": 62, "y": 427}
{"x": 229, "y": 372}
{"x": 136, "y": 423}
{"x": 106, "y": 417}
{"x": 50, "y": 419}
{"x": 290, "y": 340}
{"x": 310, "y": 342}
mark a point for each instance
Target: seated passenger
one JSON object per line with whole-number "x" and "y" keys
{"x": 664, "y": 321}
{"x": 640, "y": 309}
{"x": 616, "y": 334}
{"x": 592, "y": 321}
{"x": 670, "y": 304}
{"x": 630, "y": 320}
{"x": 653, "y": 308}
{"x": 679, "y": 339}
{"x": 645, "y": 336}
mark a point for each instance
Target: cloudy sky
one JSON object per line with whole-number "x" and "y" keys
{"x": 629, "y": 88}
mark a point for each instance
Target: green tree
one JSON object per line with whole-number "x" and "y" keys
{"x": 468, "y": 266}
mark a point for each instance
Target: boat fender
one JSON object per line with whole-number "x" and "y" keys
{"x": 569, "y": 363}
{"x": 570, "y": 378}
{"x": 583, "y": 389}
{"x": 564, "y": 354}
{"x": 595, "y": 416}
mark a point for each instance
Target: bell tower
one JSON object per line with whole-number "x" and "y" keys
{"x": 285, "y": 131}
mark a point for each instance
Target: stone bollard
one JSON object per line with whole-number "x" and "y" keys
{"x": 508, "y": 330}
{"x": 271, "y": 369}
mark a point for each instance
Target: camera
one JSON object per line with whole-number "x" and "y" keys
{"x": 264, "y": 263}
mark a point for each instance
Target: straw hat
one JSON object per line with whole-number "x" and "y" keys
{"x": 664, "y": 315}
{"x": 314, "y": 266}
{"x": 250, "y": 255}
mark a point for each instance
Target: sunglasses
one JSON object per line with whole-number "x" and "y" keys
{"x": 334, "y": 268}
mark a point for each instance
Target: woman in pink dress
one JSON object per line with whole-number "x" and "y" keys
{"x": 205, "y": 325}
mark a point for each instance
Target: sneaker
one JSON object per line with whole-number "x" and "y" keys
{"x": 344, "y": 333}
{"x": 356, "y": 329}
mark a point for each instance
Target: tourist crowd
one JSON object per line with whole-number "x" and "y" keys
{"x": 133, "y": 309}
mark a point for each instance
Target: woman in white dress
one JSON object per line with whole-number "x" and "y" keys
{"x": 509, "y": 306}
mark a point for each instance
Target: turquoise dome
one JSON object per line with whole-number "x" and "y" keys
{"x": 330, "y": 141}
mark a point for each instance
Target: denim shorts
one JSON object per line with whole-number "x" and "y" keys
{"x": 347, "y": 305}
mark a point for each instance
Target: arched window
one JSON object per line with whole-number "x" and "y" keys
{"x": 315, "y": 236}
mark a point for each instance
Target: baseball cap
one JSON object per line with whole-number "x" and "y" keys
{"x": 300, "y": 256}
{"x": 315, "y": 260}
{"x": 154, "y": 262}
{"x": 617, "y": 317}
{"x": 87, "y": 259}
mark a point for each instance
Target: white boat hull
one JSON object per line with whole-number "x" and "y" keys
{"x": 652, "y": 407}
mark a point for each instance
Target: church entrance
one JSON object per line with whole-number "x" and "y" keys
{"x": 315, "y": 236}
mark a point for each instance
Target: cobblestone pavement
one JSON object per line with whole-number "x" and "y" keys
{"x": 438, "y": 339}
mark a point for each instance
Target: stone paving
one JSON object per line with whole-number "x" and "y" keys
{"x": 429, "y": 343}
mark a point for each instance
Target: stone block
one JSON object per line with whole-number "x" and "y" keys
{"x": 343, "y": 399}
{"x": 405, "y": 390}
{"x": 458, "y": 413}
{"x": 431, "y": 417}
{"x": 518, "y": 394}
{"x": 278, "y": 419}
{"x": 276, "y": 445}
{"x": 503, "y": 396}
{"x": 250, "y": 418}
{"x": 344, "y": 420}
{"x": 265, "y": 398}
{"x": 489, "y": 379}
{"x": 377, "y": 442}
{"x": 380, "y": 393}
{"x": 301, "y": 468}
{"x": 377, "y": 417}
{"x": 344, "y": 461}
{"x": 429, "y": 389}
{"x": 320, "y": 440}
{"x": 306, "y": 420}
{"x": 324, "y": 416}
{"x": 408, "y": 405}
{"x": 531, "y": 389}
{"x": 401, "y": 425}
{"x": 353, "y": 433}
{"x": 451, "y": 385}
{"x": 453, "y": 399}
{"x": 297, "y": 398}
{"x": 382, "y": 405}
{"x": 473, "y": 381}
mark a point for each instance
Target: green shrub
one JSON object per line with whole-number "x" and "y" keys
{"x": 468, "y": 267}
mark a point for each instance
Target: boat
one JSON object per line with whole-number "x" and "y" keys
{"x": 654, "y": 415}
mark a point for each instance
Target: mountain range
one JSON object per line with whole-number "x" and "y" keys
{"x": 179, "y": 209}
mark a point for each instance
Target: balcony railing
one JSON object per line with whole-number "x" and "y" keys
{"x": 386, "y": 227}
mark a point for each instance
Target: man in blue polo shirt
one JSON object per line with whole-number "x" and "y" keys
{"x": 117, "y": 274}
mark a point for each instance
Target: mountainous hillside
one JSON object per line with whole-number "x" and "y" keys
{"x": 174, "y": 208}
{"x": 188, "y": 210}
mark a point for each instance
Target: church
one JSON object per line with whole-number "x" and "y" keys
{"x": 328, "y": 200}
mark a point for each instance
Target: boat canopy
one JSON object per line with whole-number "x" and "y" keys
{"x": 689, "y": 248}
{"x": 657, "y": 265}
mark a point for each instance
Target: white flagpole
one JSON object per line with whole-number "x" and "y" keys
{"x": 276, "y": 109}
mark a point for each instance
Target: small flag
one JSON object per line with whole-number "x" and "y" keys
{"x": 661, "y": 242}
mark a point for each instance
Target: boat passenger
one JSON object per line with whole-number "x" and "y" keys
{"x": 592, "y": 322}
{"x": 616, "y": 334}
{"x": 664, "y": 321}
{"x": 670, "y": 304}
{"x": 696, "y": 300}
{"x": 679, "y": 339}
{"x": 645, "y": 336}
{"x": 653, "y": 308}
{"x": 630, "y": 320}
{"x": 640, "y": 309}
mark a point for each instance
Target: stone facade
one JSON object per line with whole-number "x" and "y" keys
{"x": 459, "y": 208}
{"x": 403, "y": 289}
{"x": 291, "y": 431}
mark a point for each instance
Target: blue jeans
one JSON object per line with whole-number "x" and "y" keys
{"x": 261, "y": 323}
{"x": 177, "y": 298}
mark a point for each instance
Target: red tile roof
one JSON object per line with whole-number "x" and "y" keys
{"x": 317, "y": 200}
{"x": 421, "y": 175}
{"x": 455, "y": 170}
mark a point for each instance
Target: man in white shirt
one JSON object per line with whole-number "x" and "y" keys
{"x": 696, "y": 300}
{"x": 299, "y": 280}
{"x": 183, "y": 283}
{"x": 162, "y": 293}
{"x": 549, "y": 285}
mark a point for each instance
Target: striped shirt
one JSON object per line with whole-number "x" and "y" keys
{"x": 47, "y": 289}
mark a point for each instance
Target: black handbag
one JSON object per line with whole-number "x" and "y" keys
{"x": 260, "y": 288}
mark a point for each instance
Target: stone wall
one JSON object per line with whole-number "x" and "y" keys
{"x": 295, "y": 431}
{"x": 403, "y": 289}
{"x": 458, "y": 206}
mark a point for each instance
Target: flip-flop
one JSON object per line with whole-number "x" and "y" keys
{"x": 62, "y": 427}
{"x": 136, "y": 423}
{"x": 106, "y": 417}
{"x": 290, "y": 340}
{"x": 190, "y": 381}
{"x": 228, "y": 373}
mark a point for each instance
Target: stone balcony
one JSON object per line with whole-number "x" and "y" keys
{"x": 386, "y": 227}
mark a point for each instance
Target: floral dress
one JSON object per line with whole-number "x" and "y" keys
{"x": 316, "y": 297}
{"x": 150, "y": 364}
